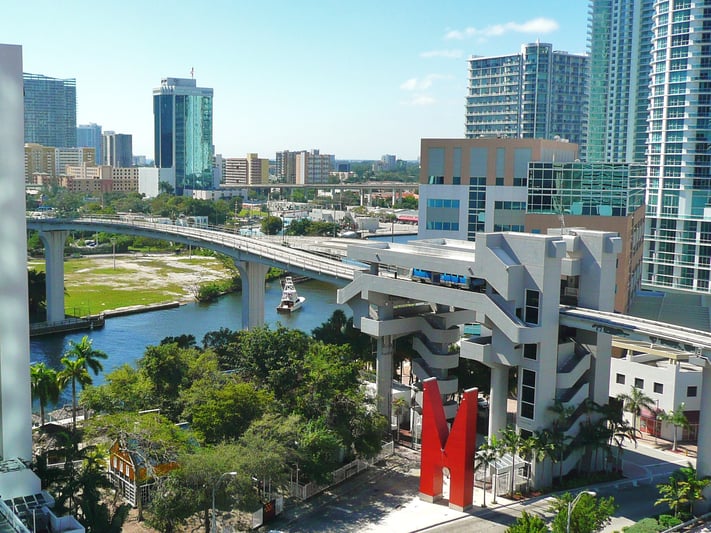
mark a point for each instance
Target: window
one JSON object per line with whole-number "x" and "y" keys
{"x": 691, "y": 391}
{"x": 658, "y": 388}
{"x": 639, "y": 383}
{"x": 532, "y": 302}
{"x": 620, "y": 378}
{"x": 528, "y": 393}
{"x": 530, "y": 351}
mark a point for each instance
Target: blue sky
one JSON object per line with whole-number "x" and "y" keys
{"x": 354, "y": 78}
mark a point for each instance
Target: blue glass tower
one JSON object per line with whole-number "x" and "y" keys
{"x": 183, "y": 132}
{"x": 50, "y": 111}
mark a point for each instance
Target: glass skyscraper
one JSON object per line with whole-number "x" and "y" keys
{"x": 539, "y": 93}
{"x": 50, "y": 111}
{"x": 183, "y": 132}
{"x": 678, "y": 230}
{"x": 89, "y": 135}
{"x": 620, "y": 43}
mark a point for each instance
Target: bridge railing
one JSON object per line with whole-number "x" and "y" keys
{"x": 227, "y": 237}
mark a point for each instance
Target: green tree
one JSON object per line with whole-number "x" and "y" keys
{"x": 74, "y": 372}
{"x": 528, "y": 523}
{"x": 125, "y": 389}
{"x": 84, "y": 350}
{"x": 485, "y": 458}
{"x": 224, "y": 409}
{"x": 44, "y": 385}
{"x": 271, "y": 225}
{"x": 682, "y": 490}
{"x": 37, "y": 291}
{"x": 511, "y": 441}
{"x": 634, "y": 402}
{"x": 676, "y": 418}
{"x": 589, "y": 514}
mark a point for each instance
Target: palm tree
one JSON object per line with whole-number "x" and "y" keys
{"x": 485, "y": 458}
{"x": 619, "y": 429}
{"x": 634, "y": 402}
{"x": 84, "y": 350}
{"x": 678, "y": 419}
{"x": 511, "y": 441}
{"x": 74, "y": 371}
{"x": 44, "y": 386}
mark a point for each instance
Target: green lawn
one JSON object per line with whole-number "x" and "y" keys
{"x": 92, "y": 285}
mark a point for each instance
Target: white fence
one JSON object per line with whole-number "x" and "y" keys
{"x": 304, "y": 492}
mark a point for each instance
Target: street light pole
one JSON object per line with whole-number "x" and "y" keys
{"x": 571, "y": 506}
{"x": 113, "y": 250}
{"x": 214, "y": 513}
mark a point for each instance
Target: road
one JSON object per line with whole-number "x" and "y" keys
{"x": 384, "y": 499}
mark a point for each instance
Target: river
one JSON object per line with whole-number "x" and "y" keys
{"x": 125, "y": 338}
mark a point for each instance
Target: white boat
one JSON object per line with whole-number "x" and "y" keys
{"x": 290, "y": 300}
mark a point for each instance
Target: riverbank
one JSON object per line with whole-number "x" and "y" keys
{"x": 134, "y": 282}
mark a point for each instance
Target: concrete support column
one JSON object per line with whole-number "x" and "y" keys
{"x": 54, "y": 260}
{"x": 703, "y": 458}
{"x": 384, "y": 376}
{"x": 361, "y": 197}
{"x": 252, "y": 275}
{"x": 497, "y": 398}
{"x": 393, "y": 202}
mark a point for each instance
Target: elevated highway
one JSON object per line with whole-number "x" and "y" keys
{"x": 253, "y": 257}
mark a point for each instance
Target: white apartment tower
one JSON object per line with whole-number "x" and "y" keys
{"x": 678, "y": 220}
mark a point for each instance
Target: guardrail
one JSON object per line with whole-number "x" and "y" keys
{"x": 289, "y": 258}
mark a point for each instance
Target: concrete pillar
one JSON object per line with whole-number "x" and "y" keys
{"x": 54, "y": 259}
{"x": 703, "y": 458}
{"x": 361, "y": 197}
{"x": 384, "y": 376}
{"x": 252, "y": 275}
{"x": 497, "y": 398}
{"x": 393, "y": 202}
{"x": 15, "y": 401}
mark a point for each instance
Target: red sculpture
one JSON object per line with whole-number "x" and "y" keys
{"x": 453, "y": 449}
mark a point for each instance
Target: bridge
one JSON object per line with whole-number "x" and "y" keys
{"x": 252, "y": 257}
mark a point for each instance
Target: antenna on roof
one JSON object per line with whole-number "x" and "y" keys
{"x": 192, "y": 72}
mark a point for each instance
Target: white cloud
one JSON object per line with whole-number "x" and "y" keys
{"x": 540, "y": 25}
{"x": 442, "y": 53}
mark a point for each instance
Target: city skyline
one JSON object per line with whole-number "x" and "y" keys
{"x": 356, "y": 80}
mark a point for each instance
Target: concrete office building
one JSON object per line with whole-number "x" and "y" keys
{"x": 39, "y": 160}
{"x": 89, "y": 135}
{"x": 463, "y": 181}
{"x": 598, "y": 196}
{"x": 313, "y": 167}
{"x": 50, "y": 111}
{"x": 538, "y": 93}
{"x": 64, "y": 157}
{"x": 182, "y": 114}
{"x": 619, "y": 34}
{"x": 286, "y": 166}
{"x": 510, "y": 285}
{"x": 117, "y": 149}
{"x": 250, "y": 170}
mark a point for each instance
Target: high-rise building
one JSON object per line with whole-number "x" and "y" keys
{"x": 183, "y": 132}
{"x": 620, "y": 42}
{"x": 250, "y": 170}
{"x": 468, "y": 186}
{"x": 117, "y": 149}
{"x": 596, "y": 196}
{"x": 286, "y": 166}
{"x": 313, "y": 167}
{"x": 538, "y": 93}
{"x": 678, "y": 227}
{"x": 89, "y": 135}
{"x": 50, "y": 111}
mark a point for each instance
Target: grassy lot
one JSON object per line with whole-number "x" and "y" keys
{"x": 93, "y": 285}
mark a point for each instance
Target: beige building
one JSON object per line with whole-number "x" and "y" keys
{"x": 64, "y": 157}
{"x": 39, "y": 160}
{"x": 312, "y": 167}
{"x": 250, "y": 170}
